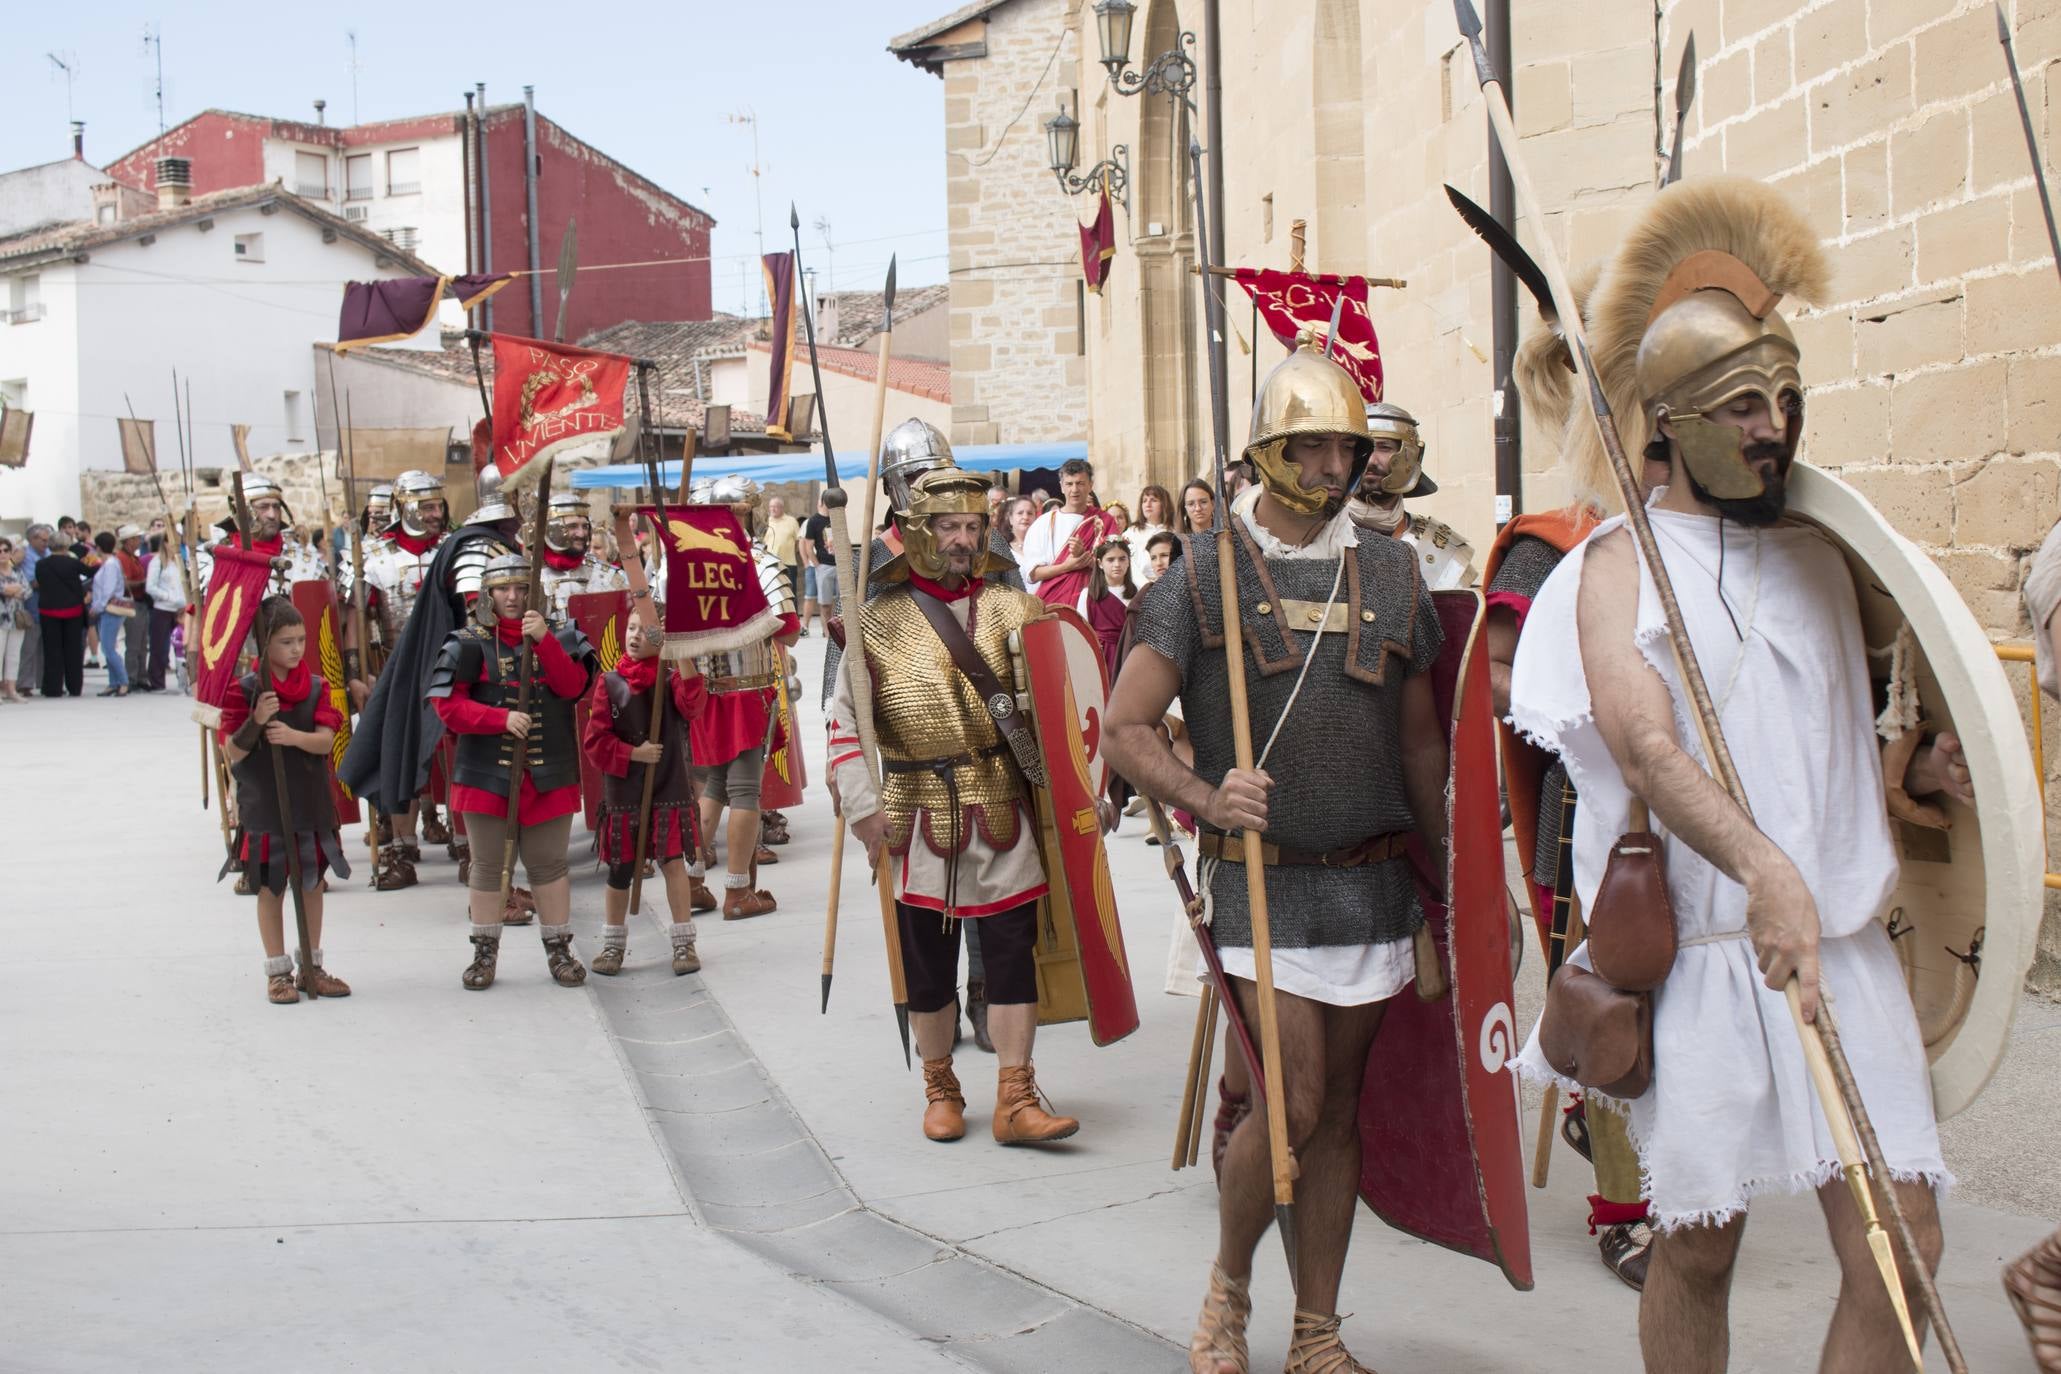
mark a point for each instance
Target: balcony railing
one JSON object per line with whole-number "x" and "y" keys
{"x": 23, "y": 314}
{"x": 312, "y": 190}
{"x": 404, "y": 188}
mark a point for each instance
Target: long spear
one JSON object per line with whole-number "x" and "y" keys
{"x": 1820, "y": 1040}
{"x": 2032, "y": 143}
{"x": 851, "y": 595}
{"x": 347, "y": 443}
{"x": 645, "y": 610}
{"x": 1685, "y": 96}
{"x": 214, "y": 750}
{"x": 520, "y": 755}
{"x": 1241, "y": 739}
{"x": 293, "y": 838}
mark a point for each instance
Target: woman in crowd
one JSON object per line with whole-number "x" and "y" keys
{"x": 14, "y": 618}
{"x": 111, "y": 610}
{"x": 1017, "y": 514}
{"x": 1155, "y": 507}
{"x": 1198, "y": 507}
{"x": 1107, "y": 601}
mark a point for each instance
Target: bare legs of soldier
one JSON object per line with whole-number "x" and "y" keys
{"x": 615, "y": 908}
{"x": 1324, "y": 1057}
{"x": 283, "y": 985}
{"x": 1684, "y": 1309}
{"x": 736, "y": 785}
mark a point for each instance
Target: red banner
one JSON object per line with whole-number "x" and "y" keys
{"x": 785, "y": 781}
{"x": 547, "y": 396}
{"x": 711, "y": 585}
{"x": 779, "y": 270}
{"x": 1098, "y": 243}
{"x": 1290, "y": 303}
{"x": 315, "y": 599}
{"x": 604, "y": 618}
{"x": 235, "y": 587}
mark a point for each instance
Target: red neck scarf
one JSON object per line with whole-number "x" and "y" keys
{"x": 637, "y": 673}
{"x": 293, "y": 689}
{"x": 564, "y": 562}
{"x": 417, "y": 544}
{"x": 941, "y": 591}
{"x": 271, "y": 548}
{"x": 510, "y": 631}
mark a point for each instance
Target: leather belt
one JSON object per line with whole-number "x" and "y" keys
{"x": 947, "y": 763}
{"x": 754, "y": 682}
{"x": 1377, "y": 849}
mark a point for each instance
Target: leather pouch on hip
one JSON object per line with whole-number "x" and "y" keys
{"x": 1631, "y": 923}
{"x": 1598, "y": 1035}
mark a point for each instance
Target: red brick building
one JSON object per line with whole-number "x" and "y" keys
{"x": 451, "y": 189}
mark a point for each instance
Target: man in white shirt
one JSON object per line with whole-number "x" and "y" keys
{"x": 1056, "y": 552}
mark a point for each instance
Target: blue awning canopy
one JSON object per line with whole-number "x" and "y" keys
{"x": 851, "y": 466}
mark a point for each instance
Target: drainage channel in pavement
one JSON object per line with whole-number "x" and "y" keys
{"x": 755, "y": 1172}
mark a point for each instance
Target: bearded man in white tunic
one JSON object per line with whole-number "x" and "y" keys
{"x": 1704, "y": 375}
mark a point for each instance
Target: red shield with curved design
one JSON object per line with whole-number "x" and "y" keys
{"x": 1441, "y": 1151}
{"x": 604, "y": 618}
{"x": 1083, "y": 971}
{"x": 315, "y": 599}
{"x": 785, "y": 781}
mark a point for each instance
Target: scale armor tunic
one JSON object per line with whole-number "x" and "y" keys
{"x": 998, "y": 549}
{"x": 1338, "y": 762}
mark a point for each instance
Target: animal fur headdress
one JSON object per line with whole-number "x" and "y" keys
{"x": 1729, "y": 215}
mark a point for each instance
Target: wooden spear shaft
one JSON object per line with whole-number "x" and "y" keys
{"x": 649, "y": 613}
{"x": 1833, "y": 1102}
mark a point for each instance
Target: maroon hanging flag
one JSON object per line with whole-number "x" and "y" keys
{"x": 402, "y": 307}
{"x": 712, "y": 594}
{"x": 549, "y": 395}
{"x": 1291, "y": 302}
{"x": 236, "y": 584}
{"x": 779, "y": 269}
{"x": 1098, "y": 243}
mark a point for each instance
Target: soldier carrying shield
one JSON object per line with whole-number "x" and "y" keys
{"x": 1702, "y": 373}
{"x": 952, "y": 815}
{"x": 1341, "y": 632}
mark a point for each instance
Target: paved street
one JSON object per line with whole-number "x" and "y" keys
{"x": 699, "y": 1173}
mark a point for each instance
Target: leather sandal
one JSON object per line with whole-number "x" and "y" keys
{"x": 699, "y": 898}
{"x": 1317, "y": 1348}
{"x": 322, "y": 981}
{"x": 1019, "y": 1119}
{"x": 609, "y": 962}
{"x": 280, "y": 991}
{"x": 763, "y": 855}
{"x": 1218, "y": 1346}
{"x": 2033, "y": 1284}
{"x": 944, "y": 1118}
{"x": 1627, "y": 1249}
{"x": 743, "y": 903}
{"x": 1574, "y": 1128}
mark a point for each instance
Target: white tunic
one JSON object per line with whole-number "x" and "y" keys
{"x": 1731, "y": 1112}
{"x": 1044, "y": 543}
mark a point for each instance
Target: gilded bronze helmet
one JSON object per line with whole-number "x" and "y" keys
{"x": 1406, "y": 475}
{"x": 1306, "y": 393}
{"x": 946, "y": 489}
{"x": 1704, "y": 350}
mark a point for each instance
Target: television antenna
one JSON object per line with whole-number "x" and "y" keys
{"x": 351, "y": 40}
{"x": 67, "y": 63}
{"x": 822, "y": 226}
{"x": 154, "y": 44}
{"x": 750, "y": 117}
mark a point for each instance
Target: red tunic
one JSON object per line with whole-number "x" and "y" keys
{"x": 464, "y": 716}
{"x": 734, "y": 722}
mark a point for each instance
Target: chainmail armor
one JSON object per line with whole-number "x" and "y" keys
{"x": 1340, "y": 755}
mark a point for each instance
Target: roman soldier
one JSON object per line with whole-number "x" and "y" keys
{"x": 476, "y": 689}
{"x": 571, "y": 567}
{"x": 1355, "y": 733}
{"x": 951, "y": 816}
{"x": 1704, "y": 374}
{"x": 911, "y": 449}
{"x": 619, "y": 743}
{"x": 1395, "y": 472}
{"x": 393, "y": 756}
{"x": 395, "y": 565}
{"x": 292, "y": 560}
{"x": 739, "y": 725}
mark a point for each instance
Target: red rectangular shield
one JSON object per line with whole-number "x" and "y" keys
{"x": 1451, "y": 1168}
{"x": 315, "y": 599}
{"x": 1082, "y": 967}
{"x": 786, "y": 779}
{"x": 603, "y": 617}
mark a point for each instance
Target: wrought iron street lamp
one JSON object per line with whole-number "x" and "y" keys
{"x": 1063, "y": 134}
{"x": 1172, "y": 73}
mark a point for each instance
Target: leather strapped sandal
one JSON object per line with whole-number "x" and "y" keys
{"x": 1627, "y": 1248}
{"x": 2033, "y": 1283}
{"x": 1574, "y": 1128}
{"x": 1317, "y": 1348}
{"x": 1218, "y": 1346}
{"x": 743, "y": 903}
{"x": 280, "y": 991}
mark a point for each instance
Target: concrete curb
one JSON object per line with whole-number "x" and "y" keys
{"x": 752, "y": 1171}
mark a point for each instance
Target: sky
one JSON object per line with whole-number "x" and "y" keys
{"x": 847, "y": 132}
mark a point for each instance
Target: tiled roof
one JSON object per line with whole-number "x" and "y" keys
{"x": 859, "y": 312}
{"x": 672, "y": 344}
{"x": 912, "y": 46}
{"x": 670, "y": 389}
{"x": 83, "y": 235}
{"x": 916, "y": 376}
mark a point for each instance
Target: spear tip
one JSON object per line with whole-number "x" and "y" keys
{"x": 1685, "y": 80}
{"x": 1284, "y": 1217}
{"x": 890, "y": 291}
{"x": 902, "y": 1020}
{"x": 1470, "y": 22}
{"x": 826, "y": 994}
{"x": 793, "y": 217}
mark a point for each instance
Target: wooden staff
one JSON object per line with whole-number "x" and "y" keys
{"x": 649, "y": 614}
{"x": 346, "y": 443}
{"x": 1814, "y": 1038}
{"x": 1241, "y": 740}
{"x": 1321, "y": 278}
{"x": 293, "y": 838}
{"x": 1193, "y": 1088}
{"x": 830, "y": 910}
{"x": 527, "y": 662}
